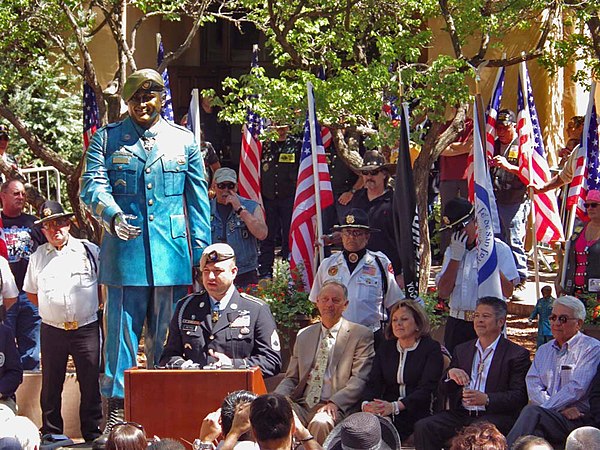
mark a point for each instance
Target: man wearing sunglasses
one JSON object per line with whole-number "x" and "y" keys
{"x": 144, "y": 181}
{"x": 559, "y": 380}
{"x": 239, "y": 222}
{"x": 62, "y": 280}
{"x": 375, "y": 198}
{"x": 368, "y": 275}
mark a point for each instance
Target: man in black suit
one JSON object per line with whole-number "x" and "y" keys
{"x": 485, "y": 381}
{"x": 594, "y": 398}
{"x": 221, "y": 326}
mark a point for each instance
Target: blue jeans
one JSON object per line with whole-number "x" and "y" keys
{"x": 513, "y": 222}
{"x": 24, "y": 320}
{"x": 126, "y": 310}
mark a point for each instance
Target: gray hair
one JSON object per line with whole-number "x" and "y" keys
{"x": 584, "y": 438}
{"x": 335, "y": 283}
{"x": 573, "y": 303}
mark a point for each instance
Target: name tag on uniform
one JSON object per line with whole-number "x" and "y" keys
{"x": 121, "y": 159}
{"x": 287, "y": 158}
{"x": 241, "y": 321}
{"x": 189, "y": 327}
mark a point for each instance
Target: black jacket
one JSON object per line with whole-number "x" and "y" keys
{"x": 246, "y": 332}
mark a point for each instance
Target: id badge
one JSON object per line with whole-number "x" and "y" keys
{"x": 594, "y": 285}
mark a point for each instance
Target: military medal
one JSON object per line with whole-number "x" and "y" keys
{"x": 245, "y": 330}
{"x": 265, "y": 167}
{"x": 332, "y": 272}
{"x": 353, "y": 258}
{"x": 215, "y": 316}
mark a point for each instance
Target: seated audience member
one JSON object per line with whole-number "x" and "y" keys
{"x": 273, "y": 424}
{"x": 485, "y": 381}
{"x": 594, "y": 398}
{"x": 584, "y": 438}
{"x": 531, "y": 442}
{"x": 127, "y": 436}
{"x": 479, "y": 436}
{"x": 330, "y": 365}
{"x": 166, "y": 444}
{"x": 407, "y": 369}
{"x": 559, "y": 380}
{"x": 11, "y": 372}
{"x": 218, "y": 423}
{"x": 363, "y": 430}
{"x": 220, "y": 325}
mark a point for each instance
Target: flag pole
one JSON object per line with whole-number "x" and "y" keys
{"x": 158, "y": 39}
{"x": 313, "y": 146}
{"x": 536, "y": 263}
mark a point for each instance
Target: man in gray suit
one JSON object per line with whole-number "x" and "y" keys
{"x": 330, "y": 365}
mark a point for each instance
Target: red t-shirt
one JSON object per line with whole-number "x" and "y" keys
{"x": 455, "y": 167}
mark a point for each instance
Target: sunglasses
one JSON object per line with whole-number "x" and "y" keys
{"x": 561, "y": 319}
{"x": 591, "y": 205}
{"x": 371, "y": 173}
{"x": 355, "y": 233}
{"x": 56, "y": 223}
{"x": 226, "y": 185}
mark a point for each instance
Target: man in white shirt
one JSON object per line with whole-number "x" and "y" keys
{"x": 61, "y": 280}
{"x": 559, "y": 381}
{"x": 458, "y": 279}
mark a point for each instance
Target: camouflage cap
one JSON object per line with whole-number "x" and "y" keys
{"x": 147, "y": 80}
{"x": 215, "y": 253}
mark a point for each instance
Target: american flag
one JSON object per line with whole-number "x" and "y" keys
{"x": 91, "y": 120}
{"x": 251, "y": 153}
{"x": 488, "y": 272}
{"x": 490, "y": 131}
{"x": 302, "y": 229}
{"x": 167, "y": 109}
{"x": 586, "y": 175}
{"x": 533, "y": 167}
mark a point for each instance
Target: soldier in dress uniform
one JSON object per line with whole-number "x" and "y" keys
{"x": 221, "y": 326}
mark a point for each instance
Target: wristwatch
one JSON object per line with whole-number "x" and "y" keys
{"x": 240, "y": 209}
{"x": 353, "y": 191}
{"x": 199, "y": 445}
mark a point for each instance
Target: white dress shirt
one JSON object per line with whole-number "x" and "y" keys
{"x": 65, "y": 281}
{"x": 482, "y": 361}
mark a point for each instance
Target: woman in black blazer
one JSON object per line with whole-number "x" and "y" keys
{"x": 407, "y": 369}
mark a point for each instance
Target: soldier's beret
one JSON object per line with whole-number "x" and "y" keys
{"x": 147, "y": 80}
{"x": 215, "y": 253}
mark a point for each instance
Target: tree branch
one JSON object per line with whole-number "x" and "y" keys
{"x": 39, "y": 149}
{"x": 451, "y": 28}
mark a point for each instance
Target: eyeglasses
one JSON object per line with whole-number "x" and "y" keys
{"x": 371, "y": 173}
{"x": 226, "y": 185}
{"x": 591, "y": 205}
{"x": 561, "y": 319}
{"x": 355, "y": 233}
{"x": 56, "y": 223}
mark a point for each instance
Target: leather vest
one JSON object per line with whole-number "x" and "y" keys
{"x": 508, "y": 188}
{"x": 244, "y": 244}
{"x": 592, "y": 267}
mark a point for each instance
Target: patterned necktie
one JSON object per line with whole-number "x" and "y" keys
{"x": 315, "y": 381}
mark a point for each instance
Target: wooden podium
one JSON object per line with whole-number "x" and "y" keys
{"x": 172, "y": 403}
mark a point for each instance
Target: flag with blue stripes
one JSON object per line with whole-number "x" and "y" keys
{"x": 167, "y": 109}
{"x": 487, "y": 258}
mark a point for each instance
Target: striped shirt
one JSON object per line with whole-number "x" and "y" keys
{"x": 561, "y": 377}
